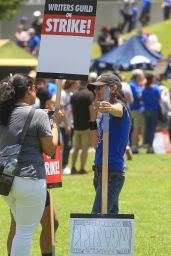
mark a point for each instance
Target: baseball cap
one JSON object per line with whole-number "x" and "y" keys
{"x": 105, "y": 79}
{"x": 37, "y": 13}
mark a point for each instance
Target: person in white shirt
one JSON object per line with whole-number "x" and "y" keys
{"x": 66, "y": 127}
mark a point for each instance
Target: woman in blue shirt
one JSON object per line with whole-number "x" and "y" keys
{"x": 151, "y": 98}
{"x": 119, "y": 128}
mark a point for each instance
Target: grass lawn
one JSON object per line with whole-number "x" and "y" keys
{"x": 10, "y": 50}
{"x": 146, "y": 194}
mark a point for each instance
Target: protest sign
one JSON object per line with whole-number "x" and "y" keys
{"x": 161, "y": 142}
{"x": 161, "y": 67}
{"x": 66, "y": 40}
{"x": 102, "y": 235}
{"x": 53, "y": 170}
{"x": 106, "y": 93}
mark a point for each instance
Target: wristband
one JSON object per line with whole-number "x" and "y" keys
{"x": 93, "y": 125}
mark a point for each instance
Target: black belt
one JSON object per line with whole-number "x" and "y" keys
{"x": 98, "y": 169}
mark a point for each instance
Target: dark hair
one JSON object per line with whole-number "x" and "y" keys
{"x": 68, "y": 84}
{"x": 150, "y": 80}
{"x": 118, "y": 95}
{"x": 39, "y": 81}
{"x": 12, "y": 89}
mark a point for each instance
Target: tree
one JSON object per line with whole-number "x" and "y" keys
{"x": 8, "y": 8}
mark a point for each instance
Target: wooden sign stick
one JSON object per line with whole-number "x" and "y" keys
{"x": 57, "y": 105}
{"x": 105, "y": 155}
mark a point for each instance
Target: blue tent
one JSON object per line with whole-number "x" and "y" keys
{"x": 132, "y": 54}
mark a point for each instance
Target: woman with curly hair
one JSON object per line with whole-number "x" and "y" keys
{"x": 28, "y": 193}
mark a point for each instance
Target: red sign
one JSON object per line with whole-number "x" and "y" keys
{"x": 73, "y": 26}
{"x": 53, "y": 169}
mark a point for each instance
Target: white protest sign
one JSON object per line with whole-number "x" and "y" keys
{"x": 66, "y": 40}
{"x": 102, "y": 235}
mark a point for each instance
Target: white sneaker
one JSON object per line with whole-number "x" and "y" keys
{"x": 66, "y": 170}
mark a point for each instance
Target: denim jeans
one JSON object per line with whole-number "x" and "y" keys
{"x": 115, "y": 184}
{"x": 151, "y": 120}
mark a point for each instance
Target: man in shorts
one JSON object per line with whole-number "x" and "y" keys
{"x": 80, "y": 102}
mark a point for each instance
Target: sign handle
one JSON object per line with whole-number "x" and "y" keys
{"x": 104, "y": 209}
{"x": 57, "y": 105}
{"x": 105, "y": 173}
{"x": 58, "y": 95}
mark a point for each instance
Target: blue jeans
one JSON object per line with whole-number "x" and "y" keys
{"x": 115, "y": 184}
{"x": 151, "y": 120}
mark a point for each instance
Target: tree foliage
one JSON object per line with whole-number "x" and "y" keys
{"x": 8, "y": 8}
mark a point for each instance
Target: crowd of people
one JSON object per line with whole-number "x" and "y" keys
{"x": 151, "y": 103}
{"x": 28, "y": 198}
{"x": 134, "y": 110}
{"x": 110, "y": 38}
{"x": 133, "y": 15}
{"x": 146, "y": 95}
{"x": 28, "y": 37}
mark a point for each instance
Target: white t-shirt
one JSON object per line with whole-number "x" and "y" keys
{"x": 127, "y": 92}
{"x": 66, "y": 104}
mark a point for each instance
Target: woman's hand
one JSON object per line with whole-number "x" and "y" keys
{"x": 104, "y": 107}
{"x": 115, "y": 110}
{"x": 58, "y": 116}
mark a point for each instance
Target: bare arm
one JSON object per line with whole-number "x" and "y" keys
{"x": 115, "y": 110}
{"x": 50, "y": 104}
{"x": 50, "y": 143}
{"x": 17, "y": 35}
{"x": 104, "y": 107}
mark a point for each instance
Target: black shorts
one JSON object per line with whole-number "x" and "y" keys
{"x": 47, "y": 199}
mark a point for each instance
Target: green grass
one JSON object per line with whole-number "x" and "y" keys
{"x": 146, "y": 194}
{"x": 11, "y": 50}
